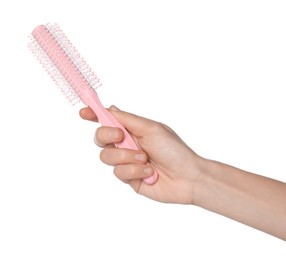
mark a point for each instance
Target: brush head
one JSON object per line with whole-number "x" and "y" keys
{"x": 63, "y": 63}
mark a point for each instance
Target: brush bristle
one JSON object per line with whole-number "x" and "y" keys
{"x": 42, "y": 47}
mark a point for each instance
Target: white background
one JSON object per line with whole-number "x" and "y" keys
{"x": 214, "y": 71}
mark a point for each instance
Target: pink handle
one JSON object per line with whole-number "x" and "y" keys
{"x": 107, "y": 119}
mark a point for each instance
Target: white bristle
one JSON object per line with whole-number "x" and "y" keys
{"x": 52, "y": 70}
{"x": 75, "y": 57}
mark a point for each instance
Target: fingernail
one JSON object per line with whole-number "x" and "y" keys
{"x": 148, "y": 170}
{"x": 140, "y": 157}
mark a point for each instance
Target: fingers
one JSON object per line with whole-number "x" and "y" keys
{"x": 128, "y": 164}
{"x": 108, "y": 135}
{"x": 103, "y": 135}
{"x": 136, "y": 125}
{"x": 87, "y": 114}
{"x": 115, "y": 156}
{"x": 133, "y": 123}
{"x": 131, "y": 172}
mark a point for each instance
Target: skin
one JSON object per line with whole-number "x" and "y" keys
{"x": 187, "y": 178}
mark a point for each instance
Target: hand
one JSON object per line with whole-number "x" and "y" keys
{"x": 186, "y": 178}
{"x": 177, "y": 165}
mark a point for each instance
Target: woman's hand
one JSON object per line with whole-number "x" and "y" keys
{"x": 177, "y": 165}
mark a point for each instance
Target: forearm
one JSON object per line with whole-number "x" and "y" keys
{"x": 251, "y": 199}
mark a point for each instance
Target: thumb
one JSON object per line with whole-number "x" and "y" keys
{"x": 134, "y": 124}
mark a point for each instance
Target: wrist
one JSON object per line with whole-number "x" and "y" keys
{"x": 208, "y": 172}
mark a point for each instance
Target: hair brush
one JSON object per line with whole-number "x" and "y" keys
{"x": 74, "y": 77}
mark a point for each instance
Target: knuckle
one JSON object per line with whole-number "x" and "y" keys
{"x": 102, "y": 155}
{"x": 125, "y": 172}
{"x": 117, "y": 171}
{"x": 156, "y": 128}
{"x": 97, "y": 137}
{"x": 106, "y": 155}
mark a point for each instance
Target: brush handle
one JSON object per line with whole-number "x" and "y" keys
{"x": 107, "y": 119}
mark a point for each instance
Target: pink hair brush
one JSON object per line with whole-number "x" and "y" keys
{"x": 75, "y": 78}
